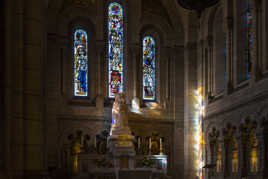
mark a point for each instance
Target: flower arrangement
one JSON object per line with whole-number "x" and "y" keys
{"x": 148, "y": 163}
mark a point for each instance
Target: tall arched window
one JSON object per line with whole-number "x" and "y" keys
{"x": 115, "y": 48}
{"x": 244, "y": 40}
{"x": 149, "y": 81}
{"x": 80, "y": 52}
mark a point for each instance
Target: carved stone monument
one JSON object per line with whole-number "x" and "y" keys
{"x": 120, "y": 140}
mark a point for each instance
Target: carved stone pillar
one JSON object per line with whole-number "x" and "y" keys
{"x": 261, "y": 153}
{"x": 136, "y": 72}
{"x": 229, "y": 55}
{"x": 190, "y": 67}
{"x": 256, "y": 72}
{"x": 210, "y": 65}
{"x": 100, "y": 74}
{"x": 264, "y": 153}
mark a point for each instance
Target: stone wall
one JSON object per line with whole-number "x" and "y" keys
{"x": 242, "y": 100}
{"x": 65, "y": 113}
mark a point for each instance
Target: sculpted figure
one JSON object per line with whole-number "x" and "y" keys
{"x": 120, "y": 116}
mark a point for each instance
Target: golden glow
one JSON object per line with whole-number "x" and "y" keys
{"x": 198, "y": 135}
{"x": 77, "y": 150}
{"x": 254, "y": 160}
{"x": 235, "y": 161}
{"x": 219, "y": 160}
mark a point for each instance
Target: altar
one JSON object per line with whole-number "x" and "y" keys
{"x": 125, "y": 155}
{"x": 100, "y": 166}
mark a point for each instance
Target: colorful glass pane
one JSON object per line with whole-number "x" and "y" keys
{"x": 80, "y": 63}
{"x": 115, "y": 48}
{"x": 249, "y": 36}
{"x": 149, "y": 68}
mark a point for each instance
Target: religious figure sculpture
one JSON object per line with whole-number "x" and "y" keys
{"x": 121, "y": 141}
{"x": 120, "y": 116}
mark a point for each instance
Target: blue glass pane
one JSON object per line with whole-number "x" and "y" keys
{"x": 115, "y": 48}
{"x": 80, "y": 63}
{"x": 249, "y": 37}
{"x": 149, "y": 92}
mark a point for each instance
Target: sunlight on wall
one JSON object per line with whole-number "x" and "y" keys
{"x": 254, "y": 160}
{"x": 198, "y": 134}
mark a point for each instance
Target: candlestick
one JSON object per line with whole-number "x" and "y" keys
{"x": 95, "y": 142}
{"x": 150, "y": 143}
{"x": 161, "y": 146}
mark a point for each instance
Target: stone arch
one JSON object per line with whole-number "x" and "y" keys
{"x": 158, "y": 25}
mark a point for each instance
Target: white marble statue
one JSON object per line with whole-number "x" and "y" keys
{"x": 120, "y": 116}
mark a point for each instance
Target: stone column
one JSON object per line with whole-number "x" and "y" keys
{"x": 33, "y": 87}
{"x": 210, "y": 64}
{"x": 265, "y": 154}
{"x": 136, "y": 72}
{"x": 256, "y": 72}
{"x": 14, "y": 131}
{"x": 2, "y": 84}
{"x": 100, "y": 74}
{"x": 190, "y": 66}
{"x": 229, "y": 55}
{"x": 178, "y": 97}
{"x": 261, "y": 154}
{"x": 243, "y": 156}
{"x": 25, "y": 92}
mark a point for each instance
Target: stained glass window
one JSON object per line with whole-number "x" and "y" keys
{"x": 80, "y": 63}
{"x": 249, "y": 37}
{"x": 115, "y": 48}
{"x": 149, "y": 92}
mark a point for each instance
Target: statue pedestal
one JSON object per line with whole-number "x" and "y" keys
{"x": 122, "y": 149}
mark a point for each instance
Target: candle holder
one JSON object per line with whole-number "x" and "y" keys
{"x": 161, "y": 146}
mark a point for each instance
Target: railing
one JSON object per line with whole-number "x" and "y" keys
{"x": 90, "y": 162}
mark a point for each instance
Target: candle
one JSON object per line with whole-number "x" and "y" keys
{"x": 161, "y": 147}
{"x": 150, "y": 143}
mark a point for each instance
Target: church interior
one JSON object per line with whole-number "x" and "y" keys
{"x": 122, "y": 89}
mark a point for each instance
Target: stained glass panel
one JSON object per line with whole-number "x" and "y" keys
{"x": 80, "y": 63}
{"x": 115, "y": 48}
{"x": 249, "y": 36}
{"x": 149, "y": 68}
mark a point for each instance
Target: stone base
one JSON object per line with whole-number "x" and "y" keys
{"x": 139, "y": 173}
{"x": 122, "y": 150}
